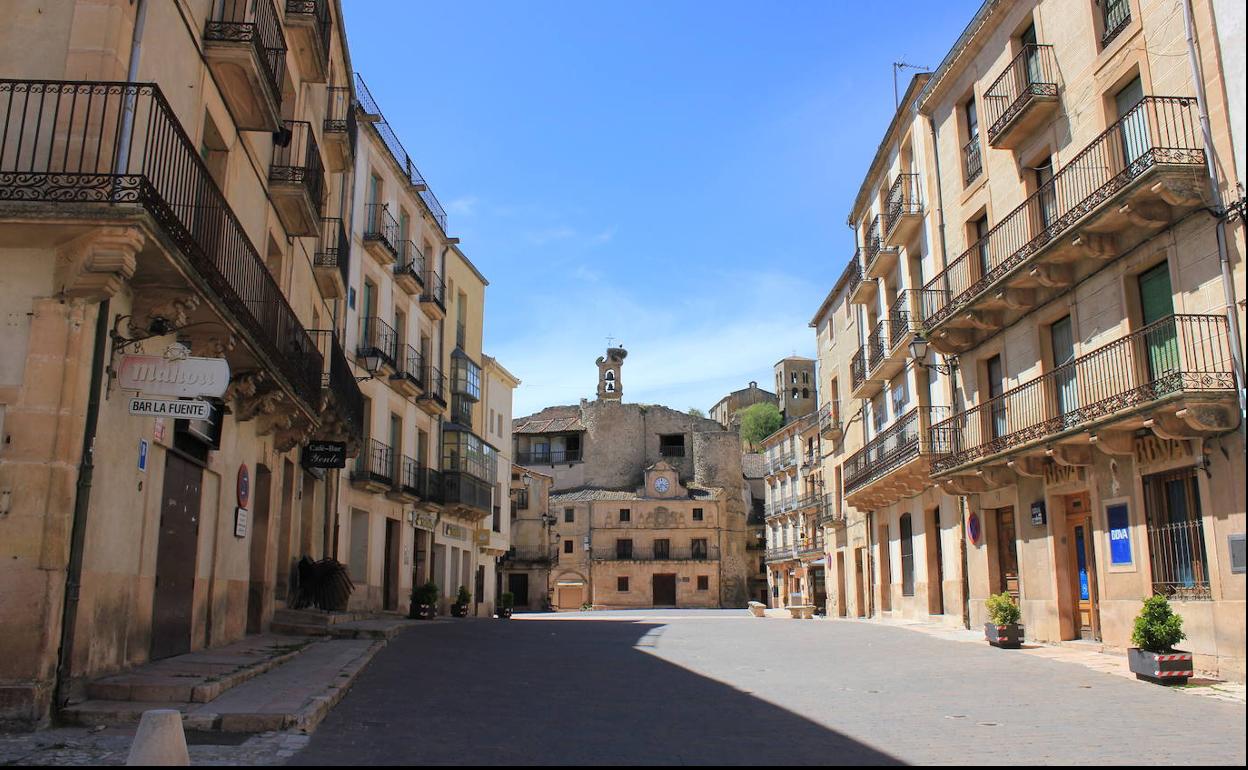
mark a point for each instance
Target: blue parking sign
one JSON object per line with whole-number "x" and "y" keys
{"x": 143, "y": 455}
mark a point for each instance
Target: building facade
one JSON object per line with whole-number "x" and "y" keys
{"x": 725, "y": 410}
{"x": 1044, "y": 213}
{"x": 164, "y": 218}
{"x": 647, "y": 505}
{"x": 795, "y": 507}
{"x": 795, "y": 387}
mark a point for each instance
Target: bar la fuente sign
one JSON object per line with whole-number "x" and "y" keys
{"x": 189, "y": 377}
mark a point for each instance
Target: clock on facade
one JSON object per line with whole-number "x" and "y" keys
{"x": 660, "y": 484}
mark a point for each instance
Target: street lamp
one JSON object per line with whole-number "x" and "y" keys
{"x": 918, "y": 351}
{"x": 372, "y": 362}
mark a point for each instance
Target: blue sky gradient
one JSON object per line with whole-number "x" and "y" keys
{"x": 675, "y": 174}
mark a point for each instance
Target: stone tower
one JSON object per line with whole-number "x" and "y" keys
{"x": 609, "y": 384}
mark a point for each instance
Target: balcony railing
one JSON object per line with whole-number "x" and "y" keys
{"x": 877, "y": 344}
{"x": 902, "y": 200}
{"x": 811, "y": 546}
{"x": 299, "y": 161}
{"x": 1115, "y": 16}
{"x": 121, "y": 144}
{"x": 375, "y": 464}
{"x": 972, "y": 160}
{"x": 435, "y": 289}
{"x": 343, "y": 389}
{"x": 549, "y": 457}
{"x": 409, "y": 262}
{"x": 875, "y": 244}
{"x": 1177, "y": 353}
{"x": 852, "y": 277}
{"x": 531, "y": 553}
{"x": 229, "y": 21}
{"x": 408, "y": 479}
{"x": 410, "y": 365}
{"x": 858, "y": 368}
{"x": 809, "y": 500}
{"x": 652, "y": 553}
{"x": 339, "y": 116}
{"x": 671, "y": 451}
{"x": 467, "y": 490}
{"x": 1158, "y": 130}
{"x": 379, "y": 338}
{"x": 1032, "y": 74}
{"x": 335, "y": 248}
{"x": 379, "y": 226}
{"x": 830, "y": 513}
{"x": 781, "y": 553}
{"x": 369, "y": 105}
{"x": 830, "y": 418}
{"x": 435, "y": 385}
{"x": 319, "y": 10}
{"x": 895, "y": 446}
{"x": 778, "y": 461}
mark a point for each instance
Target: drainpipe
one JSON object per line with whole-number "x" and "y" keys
{"x": 86, "y": 467}
{"x": 1228, "y": 283}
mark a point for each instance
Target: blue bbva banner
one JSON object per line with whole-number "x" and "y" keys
{"x": 1119, "y": 533}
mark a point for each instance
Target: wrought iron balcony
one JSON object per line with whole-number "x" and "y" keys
{"x": 831, "y": 513}
{"x": 810, "y": 546}
{"x": 903, "y": 210}
{"x": 780, "y": 461}
{"x": 1142, "y": 173}
{"x": 331, "y": 263}
{"x": 409, "y": 372}
{"x": 808, "y": 500}
{"x": 900, "y": 455}
{"x": 378, "y": 338}
{"x": 374, "y": 467}
{"x": 879, "y": 257}
{"x": 549, "y": 457}
{"x": 342, "y": 403}
{"x": 861, "y": 289}
{"x": 1180, "y": 360}
{"x": 246, "y": 50}
{"x": 407, "y": 483}
{"x": 655, "y": 552}
{"x": 536, "y": 554}
{"x": 781, "y": 553}
{"x": 1115, "y": 16}
{"x": 309, "y": 23}
{"x": 972, "y": 160}
{"x": 409, "y": 268}
{"x": 830, "y": 421}
{"x": 859, "y": 385}
{"x": 381, "y": 233}
{"x": 119, "y": 147}
{"x": 297, "y": 180}
{"x": 340, "y": 128}
{"x": 433, "y": 399}
{"x": 433, "y": 298}
{"x": 1022, "y": 97}
{"x": 671, "y": 451}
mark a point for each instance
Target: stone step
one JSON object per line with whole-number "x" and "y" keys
{"x": 371, "y": 628}
{"x": 201, "y": 676}
{"x": 311, "y": 617}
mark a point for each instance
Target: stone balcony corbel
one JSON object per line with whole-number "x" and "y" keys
{"x": 1031, "y": 467}
{"x": 1018, "y": 299}
{"x": 964, "y": 485}
{"x": 950, "y": 342}
{"x": 173, "y": 305}
{"x": 984, "y": 320}
{"x": 997, "y": 476}
{"x": 1176, "y": 193}
{"x": 1147, "y": 213}
{"x": 1070, "y": 455}
{"x": 1193, "y": 421}
{"x": 1052, "y": 276}
{"x": 1115, "y": 443}
{"x": 94, "y": 266}
{"x": 1096, "y": 245}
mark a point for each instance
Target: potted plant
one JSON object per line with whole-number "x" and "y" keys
{"x": 505, "y": 603}
{"x": 1157, "y": 630}
{"x": 460, "y": 608}
{"x": 424, "y": 601}
{"x": 1002, "y": 628}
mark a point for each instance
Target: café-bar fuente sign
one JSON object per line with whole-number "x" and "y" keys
{"x": 325, "y": 454}
{"x": 189, "y": 377}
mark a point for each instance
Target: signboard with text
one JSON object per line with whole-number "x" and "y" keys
{"x": 1118, "y": 518}
{"x": 325, "y": 454}
{"x": 177, "y": 408}
{"x": 190, "y": 377}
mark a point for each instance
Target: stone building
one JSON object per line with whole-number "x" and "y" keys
{"x": 526, "y": 565}
{"x": 173, "y": 197}
{"x": 1043, "y": 214}
{"x": 754, "y": 466}
{"x": 682, "y": 477}
{"x": 725, "y": 410}
{"x": 796, "y": 392}
{"x": 796, "y": 503}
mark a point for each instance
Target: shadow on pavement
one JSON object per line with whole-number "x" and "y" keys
{"x": 558, "y": 692}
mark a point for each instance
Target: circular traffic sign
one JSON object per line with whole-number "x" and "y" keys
{"x": 973, "y": 529}
{"x": 244, "y": 486}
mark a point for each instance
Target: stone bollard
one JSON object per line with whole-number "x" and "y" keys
{"x": 758, "y": 609}
{"x": 159, "y": 740}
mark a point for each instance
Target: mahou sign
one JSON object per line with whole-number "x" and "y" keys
{"x": 190, "y": 377}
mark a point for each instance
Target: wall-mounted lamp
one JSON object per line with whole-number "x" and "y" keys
{"x": 918, "y": 351}
{"x": 372, "y": 362}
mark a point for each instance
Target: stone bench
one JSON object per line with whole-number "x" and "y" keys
{"x": 758, "y": 609}
{"x": 802, "y": 611}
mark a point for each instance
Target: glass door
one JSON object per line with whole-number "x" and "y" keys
{"x": 1065, "y": 374}
{"x": 1134, "y": 122}
{"x": 1160, "y": 340}
{"x": 1031, "y": 56}
{"x": 996, "y": 386}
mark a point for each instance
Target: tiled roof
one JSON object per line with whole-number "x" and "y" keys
{"x": 754, "y": 465}
{"x": 555, "y": 425}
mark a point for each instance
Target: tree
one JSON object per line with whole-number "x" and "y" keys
{"x": 696, "y": 412}
{"x": 758, "y": 421}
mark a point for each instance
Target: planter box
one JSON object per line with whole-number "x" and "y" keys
{"x": 423, "y": 612}
{"x": 1007, "y": 635}
{"x": 459, "y": 610}
{"x": 1174, "y": 667}
{"x": 504, "y": 612}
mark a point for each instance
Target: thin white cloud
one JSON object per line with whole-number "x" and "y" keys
{"x": 464, "y": 206}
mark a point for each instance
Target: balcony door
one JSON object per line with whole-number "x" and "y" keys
{"x": 1156, "y": 303}
{"x": 1031, "y": 56}
{"x": 1134, "y": 122}
{"x": 396, "y": 445}
{"x": 1065, "y": 375}
{"x": 996, "y": 386}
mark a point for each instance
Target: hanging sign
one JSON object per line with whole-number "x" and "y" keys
{"x": 189, "y": 377}
{"x": 177, "y": 408}
{"x": 325, "y": 454}
{"x": 241, "y": 517}
{"x": 1037, "y": 513}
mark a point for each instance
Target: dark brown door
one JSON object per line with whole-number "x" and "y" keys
{"x": 841, "y": 598}
{"x": 390, "y": 574}
{"x": 175, "y": 558}
{"x": 518, "y": 585}
{"x": 664, "y": 587}
{"x": 259, "y": 592}
{"x": 1007, "y": 553}
{"x": 860, "y": 580}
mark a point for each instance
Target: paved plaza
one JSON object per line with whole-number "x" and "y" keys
{"x": 685, "y": 687}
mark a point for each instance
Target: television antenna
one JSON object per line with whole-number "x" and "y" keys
{"x": 897, "y": 67}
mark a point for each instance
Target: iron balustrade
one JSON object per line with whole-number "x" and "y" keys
{"x": 653, "y": 553}
{"x": 1176, "y": 353}
{"x": 1115, "y": 16}
{"x": 671, "y": 451}
{"x": 408, "y": 479}
{"x": 435, "y": 385}
{"x": 549, "y": 457}
{"x": 875, "y": 244}
{"x": 1031, "y": 74}
{"x": 811, "y": 546}
{"x": 781, "y": 553}
{"x": 429, "y": 484}
{"x": 319, "y": 10}
{"x": 339, "y": 116}
{"x": 972, "y": 160}
{"x": 299, "y": 161}
{"x": 1158, "y": 130}
{"x": 831, "y": 512}
{"x": 375, "y": 463}
{"x": 829, "y": 417}
{"x": 410, "y": 365}
{"x": 852, "y": 277}
{"x": 409, "y": 261}
{"x": 378, "y": 338}
{"x": 1178, "y": 562}
{"x": 341, "y": 392}
{"x": 808, "y": 500}
{"x": 902, "y": 200}
{"x": 898, "y": 444}
{"x": 121, "y": 143}
{"x": 532, "y": 553}
{"x": 435, "y": 289}
{"x": 380, "y": 226}
{"x": 230, "y": 22}
{"x": 877, "y": 344}
{"x": 334, "y": 249}
{"x": 858, "y": 367}
{"x": 467, "y": 490}
{"x": 391, "y": 140}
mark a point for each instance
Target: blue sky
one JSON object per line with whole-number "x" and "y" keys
{"x": 675, "y": 174}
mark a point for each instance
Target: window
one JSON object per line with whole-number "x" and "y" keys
{"x": 996, "y": 386}
{"x": 1176, "y": 535}
{"x": 663, "y": 548}
{"x": 624, "y": 549}
{"x": 704, "y": 583}
{"x": 567, "y": 546}
{"x": 1115, "y": 16}
{"x": 1047, "y": 198}
{"x": 979, "y": 233}
{"x": 569, "y": 515}
{"x": 621, "y": 584}
{"x": 697, "y": 514}
{"x": 697, "y": 548}
{"x": 972, "y": 161}
{"x": 900, "y": 395}
{"x": 672, "y": 445}
{"x": 907, "y": 556}
{"x": 626, "y": 514}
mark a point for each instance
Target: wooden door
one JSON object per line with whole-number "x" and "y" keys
{"x": 390, "y": 570}
{"x": 1007, "y": 553}
{"x": 1062, "y": 337}
{"x": 518, "y": 586}
{"x": 1133, "y": 125}
{"x": 1083, "y": 576}
{"x": 175, "y": 558}
{"x": 1157, "y": 303}
{"x": 841, "y": 598}
{"x": 886, "y": 572}
{"x": 860, "y": 580}
{"x": 664, "y": 590}
{"x": 258, "y": 550}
